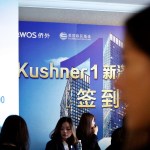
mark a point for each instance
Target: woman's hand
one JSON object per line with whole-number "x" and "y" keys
{"x": 95, "y": 130}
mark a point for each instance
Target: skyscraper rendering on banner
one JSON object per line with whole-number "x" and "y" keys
{"x": 112, "y": 117}
{"x": 69, "y": 103}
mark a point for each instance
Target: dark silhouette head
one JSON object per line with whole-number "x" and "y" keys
{"x": 138, "y": 28}
{"x": 134, "y": 82}
{"x": 85, "y": 124}
{"x": 15, "y": 131}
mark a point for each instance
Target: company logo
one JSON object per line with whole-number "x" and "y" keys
{"x": 34, "y": 35}
{"x": 74, "y": 36}
{"x": 63, "y": 36}
{"x": 27, "y": 35}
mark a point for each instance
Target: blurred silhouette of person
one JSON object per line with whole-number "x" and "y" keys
{"x": 87, "y": 132}
{"x": 63, "y": 136}
{"x": 134, "y": 82}
{"x": 118, "y": 137}
{"x": 14, "y": 134}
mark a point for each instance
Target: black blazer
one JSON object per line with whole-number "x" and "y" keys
{"x": 8, "y": 147}
{"x": 58, "y": 145}
{"x": 88, "y": 143}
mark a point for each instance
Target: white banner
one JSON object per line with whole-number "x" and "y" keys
{"x": 9, "y": 98}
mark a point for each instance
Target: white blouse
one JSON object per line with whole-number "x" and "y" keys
{"x": 66, "y": 147}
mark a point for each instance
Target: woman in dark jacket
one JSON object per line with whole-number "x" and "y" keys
{"x": 63, "y": 136}
{"x": 87, "y": 132}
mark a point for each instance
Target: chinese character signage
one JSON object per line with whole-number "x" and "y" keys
{"x": 67, "y": 70}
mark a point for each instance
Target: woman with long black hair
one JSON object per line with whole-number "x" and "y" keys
{"x": 87, "y": 132}
{"x": 63, "y": 136}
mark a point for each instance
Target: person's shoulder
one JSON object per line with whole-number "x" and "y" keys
{"x": 117, "y": 131}
{"x": 8, "y": 147}
{"x": 54, "y": 145}
{"x": 50, "y": 144}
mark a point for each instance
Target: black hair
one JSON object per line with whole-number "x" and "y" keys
{"x": 138, "y": 28}
{"x": 15, "y": 131}
{"x": 84, "y": 126}
{"x": 56, "y": 135}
